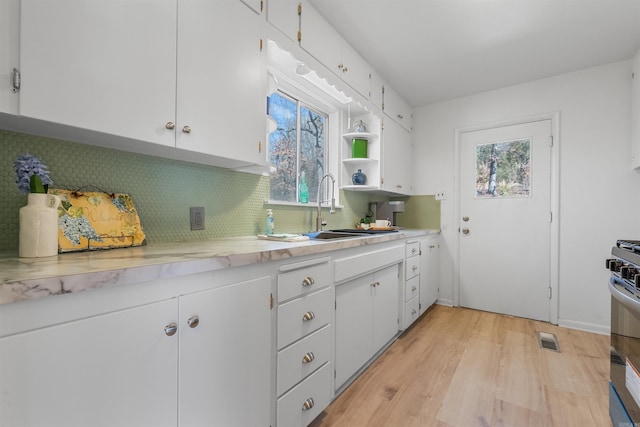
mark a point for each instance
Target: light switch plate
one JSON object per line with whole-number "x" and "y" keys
{"x": 197, "y": 218}
{"x": 441, "y": 195}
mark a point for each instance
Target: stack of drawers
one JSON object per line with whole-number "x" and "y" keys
{"x": 304, "y": 371}
{"x": 412, "y": 283}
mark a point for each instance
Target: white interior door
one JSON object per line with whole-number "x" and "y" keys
{"x": 505, "y": 220}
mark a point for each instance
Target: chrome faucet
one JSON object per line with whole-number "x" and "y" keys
{"x": 319, "y": 221}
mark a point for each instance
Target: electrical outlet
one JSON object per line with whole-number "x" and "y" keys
{"x": 197, "y": 218}
{"x": 441, "y": 195}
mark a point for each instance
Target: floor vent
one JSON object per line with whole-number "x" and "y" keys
{"x": 548, "y": 341}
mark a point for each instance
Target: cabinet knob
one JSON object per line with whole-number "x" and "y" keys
{"x": 413, "y": 288}
{"x": 308, "y": 358}
{"x": 308, "y": 281}
{"x": 413, "y": 312}
{"x": 308, "y": 404}
{"x": 170, "y": 125}
{"x": 309, "y": 315}
{"x": 345, "y": 69}
{"x": 400, "y": 116}
{"x": 375, "y": 284}
{"x": 171, "y": 329}
{"x": 193, "y": 321}
{"x": 414, "y": 268}
{"x": 414, "y": 250}
{"x": 340, "y": 66}
{"x": 186, "y": 129}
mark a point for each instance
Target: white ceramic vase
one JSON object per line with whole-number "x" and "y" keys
{"x": 39, "y": 226}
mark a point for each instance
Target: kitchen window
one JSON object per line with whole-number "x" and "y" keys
{"x": 298, "y": 149}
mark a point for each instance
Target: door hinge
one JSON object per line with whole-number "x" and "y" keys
{"x": 299, "y": 9}
{"x": 551, "y": 141}
{"x": 15, "y": 80}
{"x": 335, "y": 305}
{"x": 550, "y": 217}
{"x": 261, "y": 45}
{"x": 299, "y": 36}
{"x": 261, "y": 6}
{"x": 550, "y": 292}
{"x": 271, "y": 301}
{"x": 259, "y": 146}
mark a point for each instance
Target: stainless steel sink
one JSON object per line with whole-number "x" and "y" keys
{"x": 330, "y": 235}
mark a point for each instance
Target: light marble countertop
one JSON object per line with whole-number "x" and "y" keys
{"x": 30, "y": 278}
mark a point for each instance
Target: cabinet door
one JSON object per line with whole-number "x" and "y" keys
{"x": 220, "y": 107}
{"x": 9, "y": 57}
{"x": 429, "y": 272}
{"x": 396, "y": 158}
{"x": 396, "y": 108}
{"x": 283, "y": 14}
{"x": 225, "y": 359}
{"x": 103, "y": 65}
{"x": 385, "y": 311}
{"x": 118, "y": 369}
{"x": 320, "y": 39}
{"x": 356, "y": 72}
{"x": 255, "y": 5}
{"x": 353, "y": 327}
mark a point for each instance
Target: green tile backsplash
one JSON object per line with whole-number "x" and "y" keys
{"x": 162, "y": 189}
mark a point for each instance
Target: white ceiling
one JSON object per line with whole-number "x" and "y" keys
{"x": 434, "y": 50}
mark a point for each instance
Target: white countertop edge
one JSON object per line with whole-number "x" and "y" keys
{"x": 30, "y": 278}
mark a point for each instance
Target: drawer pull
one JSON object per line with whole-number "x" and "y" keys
{"x": 308, "y": 404}
{"x": 193, "y": 321}
{"x": 171, "y": 329}
{"x": 414, "y": 250}
{"x": 308, "y": 316}
{"x": 308, "y": 358}
{"x": 308, "y": 281}
{"x": 413, "y": 312}
{"x": 413, "y": 289}
{"x": 414, "y": 268}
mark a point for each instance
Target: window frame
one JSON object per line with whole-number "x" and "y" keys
{"x": 333, "y": 123}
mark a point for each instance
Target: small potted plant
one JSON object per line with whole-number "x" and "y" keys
{"x": 39, "y": 218}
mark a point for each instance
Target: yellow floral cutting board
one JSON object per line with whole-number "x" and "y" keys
{"x": 97, "y": 220}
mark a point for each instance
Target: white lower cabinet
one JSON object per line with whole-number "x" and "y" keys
{"x": 429, "y": 271}
{"x": 366, "y": 319}
{"x": 305, "y": 313}
{"x": 188, "y": 361}
{"x": 117, "y": 369}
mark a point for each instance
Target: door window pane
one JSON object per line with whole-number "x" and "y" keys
{"x": 503, "y": 169}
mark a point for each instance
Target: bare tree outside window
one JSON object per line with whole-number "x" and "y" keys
{"x": 296, "y": 146}
{"x": 503, "y": 169}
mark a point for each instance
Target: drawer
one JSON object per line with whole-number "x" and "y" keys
{"x": 412, "y": 249}
{"x": 411, "y": 288}
{"x": 316, "y": 388}
{"x": 294, "y": 363}
{"x": 303, "y": 281}
{"x": 411, "y": 311}
{"x": 368, "y": 262}
{"x": 411, "y": 267}
{"x": 291, "y": 316}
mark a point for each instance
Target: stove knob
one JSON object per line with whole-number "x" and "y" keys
{"x": 626, "y": 272}
{"x": 615, "y": 265}
{"x": 636, "y": 280}
{"x": 608, "y": 263}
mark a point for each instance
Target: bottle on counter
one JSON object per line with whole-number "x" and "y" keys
{"x": 270, "y": 225}
{"x": 304, "y": 189}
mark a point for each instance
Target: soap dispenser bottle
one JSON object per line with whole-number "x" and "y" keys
{"x": 270, "y": 223}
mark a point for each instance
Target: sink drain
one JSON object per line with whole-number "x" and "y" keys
{"x": 548, "y": 341}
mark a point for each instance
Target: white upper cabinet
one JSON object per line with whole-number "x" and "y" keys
{"x": 103, "y": 65}
{"x": 181, "y": 73}
{"x": 256, "y": 5}
{"x": 9, "y": 57}
{"x": 324, "y": 43}
{"x": 635, "y": 112}
{"x": 396, "y": 108}
{"x": 221, "y": 77}
{"x": 396, "y": 158}
{"x": 284, "y": 15}
{"x": 377, "y": 87}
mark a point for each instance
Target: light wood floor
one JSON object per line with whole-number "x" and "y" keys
{"x": 461, "y": 367}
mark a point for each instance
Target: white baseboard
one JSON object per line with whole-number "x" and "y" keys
{"x": 584, "y": 326}
{"x": 447, "y": 302}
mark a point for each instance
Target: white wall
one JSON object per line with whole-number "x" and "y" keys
{"x": 599, "y": 192}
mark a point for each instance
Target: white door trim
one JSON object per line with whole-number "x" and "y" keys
{"x": 554, "y": 242}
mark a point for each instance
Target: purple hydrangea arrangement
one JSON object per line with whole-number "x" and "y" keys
{"x": 32, "y": 176}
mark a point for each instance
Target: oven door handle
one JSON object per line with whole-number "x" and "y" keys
{"x": 621, "y": 295}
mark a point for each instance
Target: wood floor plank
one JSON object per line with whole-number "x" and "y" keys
{"x": 460, "y": 368}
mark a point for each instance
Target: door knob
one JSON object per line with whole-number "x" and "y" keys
{"x": 465, "y": 231}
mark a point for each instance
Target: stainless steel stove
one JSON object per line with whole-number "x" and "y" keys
{"x": 624, "y": 285}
